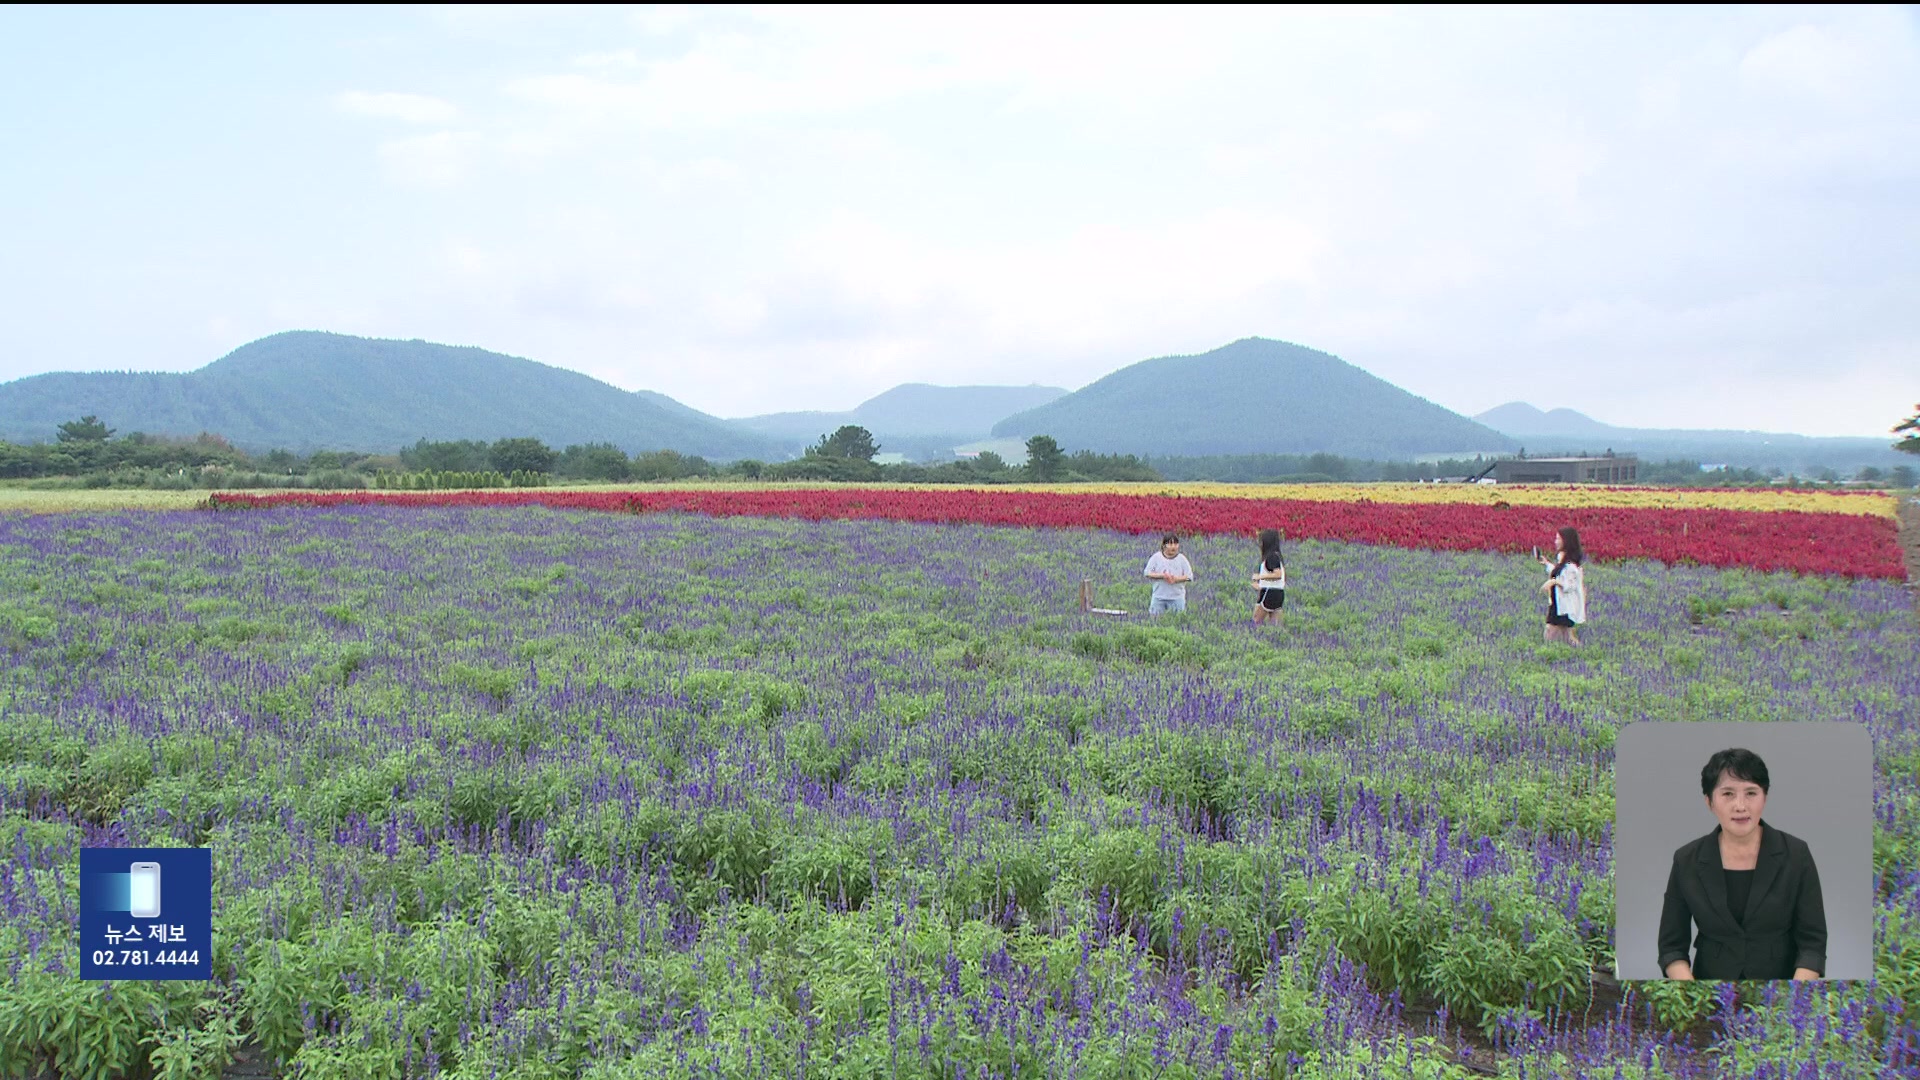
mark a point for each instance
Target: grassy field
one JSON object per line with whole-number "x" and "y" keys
{"x": 537, "y": 794}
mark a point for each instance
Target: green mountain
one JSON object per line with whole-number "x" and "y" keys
{"x": 1254, "y": 396}
{"x": 913, "y": 411}
{"x": 1564, "y": 431}
{"x": 304, "y": 391}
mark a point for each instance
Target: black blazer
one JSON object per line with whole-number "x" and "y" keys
{"x": 1783, "y": 928}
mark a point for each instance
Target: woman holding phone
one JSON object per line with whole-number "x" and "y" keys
{"x": 1566, "y": 587}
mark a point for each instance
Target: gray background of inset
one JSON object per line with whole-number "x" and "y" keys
{"x": 1821, "y": 779}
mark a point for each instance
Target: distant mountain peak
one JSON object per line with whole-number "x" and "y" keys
{"x": 1520, "y": 419}
{"x": 1252, "y": 396}
{"x": 311, "y": 389}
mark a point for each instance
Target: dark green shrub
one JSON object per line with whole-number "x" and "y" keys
{"x": 113, "y": 771}
{"x": 837, "y": 869}
{"x": 1092, "y": 646}
{"x": 491, "y": 682}
{"x": 1131, "y": 868}
{"x": 728, "y": 845}
{"x": 1159, "y": 645}
{"x": 1324, "y": 720}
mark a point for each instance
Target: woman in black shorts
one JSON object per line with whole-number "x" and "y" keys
{"x": 1270, "y": 577}
{"x": 1566, "y": 588}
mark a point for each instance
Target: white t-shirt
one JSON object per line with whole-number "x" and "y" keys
{"x": 1177, "y": 566}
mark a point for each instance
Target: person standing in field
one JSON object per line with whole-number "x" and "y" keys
{"x": 1566, "y": 587}
{"x": 1169, "y": 571}
{"x": 1270, "y": 577}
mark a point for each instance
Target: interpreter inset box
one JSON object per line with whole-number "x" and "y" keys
{"x": 146, "y": 913}
{"x": 1762, "y": 870}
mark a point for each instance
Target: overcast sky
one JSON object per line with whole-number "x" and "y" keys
{"x": 1671, "y": 217}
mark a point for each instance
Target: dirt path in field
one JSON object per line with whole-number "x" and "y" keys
{"x": 1480, "y": 1056}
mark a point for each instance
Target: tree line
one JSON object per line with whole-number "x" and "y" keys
{"x": 845, "y": 455}
{"x": 85, "y": 452}
{"x": 86, "y": 446}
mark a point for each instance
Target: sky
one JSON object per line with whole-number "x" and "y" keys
{"x": 1672, "y": 217}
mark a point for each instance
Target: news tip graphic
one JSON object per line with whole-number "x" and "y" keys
{"x": 146, "y": 913}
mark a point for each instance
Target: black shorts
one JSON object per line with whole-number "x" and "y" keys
{"x": 1273, "y": 599}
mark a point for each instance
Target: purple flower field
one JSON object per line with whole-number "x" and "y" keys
{"x": 521, "y": 793}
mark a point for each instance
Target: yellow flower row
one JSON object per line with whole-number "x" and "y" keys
{"x": 1570, "y": 495}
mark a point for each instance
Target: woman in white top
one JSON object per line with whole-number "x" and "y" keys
{"x": 1566, "y": 588}
{"x": 1270, "y": 577}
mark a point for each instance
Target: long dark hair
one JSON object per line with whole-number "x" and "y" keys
{"x": 1270, "y": 557}
{"x": 1570, "y": 545}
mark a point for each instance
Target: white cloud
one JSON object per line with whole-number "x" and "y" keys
{"x": 718, "y": 86}
{"x": 659, "y": 19}
{"x": 736, "y": 313}
{"x": 437, "y": 160}
{"x": 505, "y": 20}
{"x": 1404, "y": 123}
{"x": 881, "y": 302}
{"x": 1852, "y": 60}
{"x": 1559, "y": 167}
{"x": 761, "y": 208}
{"x": 412, "y": 108}
{"x": 809, "y": 61}
{"x": 616, "y": 58}
{"x": 1374, "y": 185}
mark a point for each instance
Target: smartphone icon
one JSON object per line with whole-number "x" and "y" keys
{"x": 144, "y": 893}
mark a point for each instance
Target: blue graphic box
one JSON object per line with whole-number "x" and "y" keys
{"x": 146, "y": 913}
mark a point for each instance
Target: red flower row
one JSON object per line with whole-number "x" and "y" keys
{"x": 1852, "y": 545}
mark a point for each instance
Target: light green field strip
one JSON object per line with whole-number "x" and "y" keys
{"x": 22, "y": 500}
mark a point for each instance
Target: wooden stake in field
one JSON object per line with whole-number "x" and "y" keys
{"x": 1086, "y": 600}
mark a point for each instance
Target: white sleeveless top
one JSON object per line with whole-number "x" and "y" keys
{"x": 1271, "y": 583}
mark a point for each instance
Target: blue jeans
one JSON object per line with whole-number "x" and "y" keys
{"x": 1160, "y": 607}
